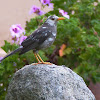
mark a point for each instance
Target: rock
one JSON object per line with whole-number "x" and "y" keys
{"x": 47, "y": 82}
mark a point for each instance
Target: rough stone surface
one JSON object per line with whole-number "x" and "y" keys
{"x": 47, "y": 82}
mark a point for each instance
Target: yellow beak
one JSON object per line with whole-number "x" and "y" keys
{"x": 60, "y": 18}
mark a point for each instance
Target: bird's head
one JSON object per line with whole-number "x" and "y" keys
{"x": 52, "y": 20}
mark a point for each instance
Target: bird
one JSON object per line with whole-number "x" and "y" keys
{"x": 41, "y": 38}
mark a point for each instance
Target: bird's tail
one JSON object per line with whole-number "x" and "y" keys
{"x": 13, "y": 52}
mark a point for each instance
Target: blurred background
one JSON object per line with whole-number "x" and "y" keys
{"x": 17, "y": 12}
{"x": 14, "y": 12}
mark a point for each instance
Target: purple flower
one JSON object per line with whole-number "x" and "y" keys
{"x": 16, "y": 30}
{"x": 15, "y": 40}
{"x": 51, "y": 5}
{"x": 22, "y": 38}
{"x": 63, "y": 13}
{"x": 1, "y": 59}
{"x": 36, "y": 10}
{"x": 47, "y": 2}
{"x": 14, "y": 64}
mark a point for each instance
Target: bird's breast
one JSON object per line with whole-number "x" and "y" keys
{"x": 49, "y": 41}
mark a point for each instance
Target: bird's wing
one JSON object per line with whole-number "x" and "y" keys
{"x": 38, "y": 37}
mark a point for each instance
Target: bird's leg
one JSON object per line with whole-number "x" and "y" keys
{"x": 40, "y": 58}
{"x": 42, "y": 62}
{"x": 37, "y": 58}
{"x": 35, "y": 54}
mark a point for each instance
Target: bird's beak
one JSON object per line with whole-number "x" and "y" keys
{"x": 60, "y": 18}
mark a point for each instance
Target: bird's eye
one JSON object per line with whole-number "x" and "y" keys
{"x": 52, "y": 19}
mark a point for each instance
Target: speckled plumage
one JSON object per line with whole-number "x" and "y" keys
{"x": 41, "y": 38}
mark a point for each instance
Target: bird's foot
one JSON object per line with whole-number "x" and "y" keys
{"x": 48, "y": 63}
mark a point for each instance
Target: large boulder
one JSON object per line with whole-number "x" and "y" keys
{"x": 47, "y": 82}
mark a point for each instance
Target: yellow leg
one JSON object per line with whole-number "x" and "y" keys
{"x": 39, "y": 59}
{"x": 42, "y": 62}
{"x": 36, "y": 57}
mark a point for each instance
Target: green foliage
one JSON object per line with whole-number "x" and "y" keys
{"x": 80, "y": 34}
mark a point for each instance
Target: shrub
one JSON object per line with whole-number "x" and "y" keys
{"x": 77, "y": 44}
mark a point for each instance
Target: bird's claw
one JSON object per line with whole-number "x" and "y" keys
{"x": 48, "y": 63}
